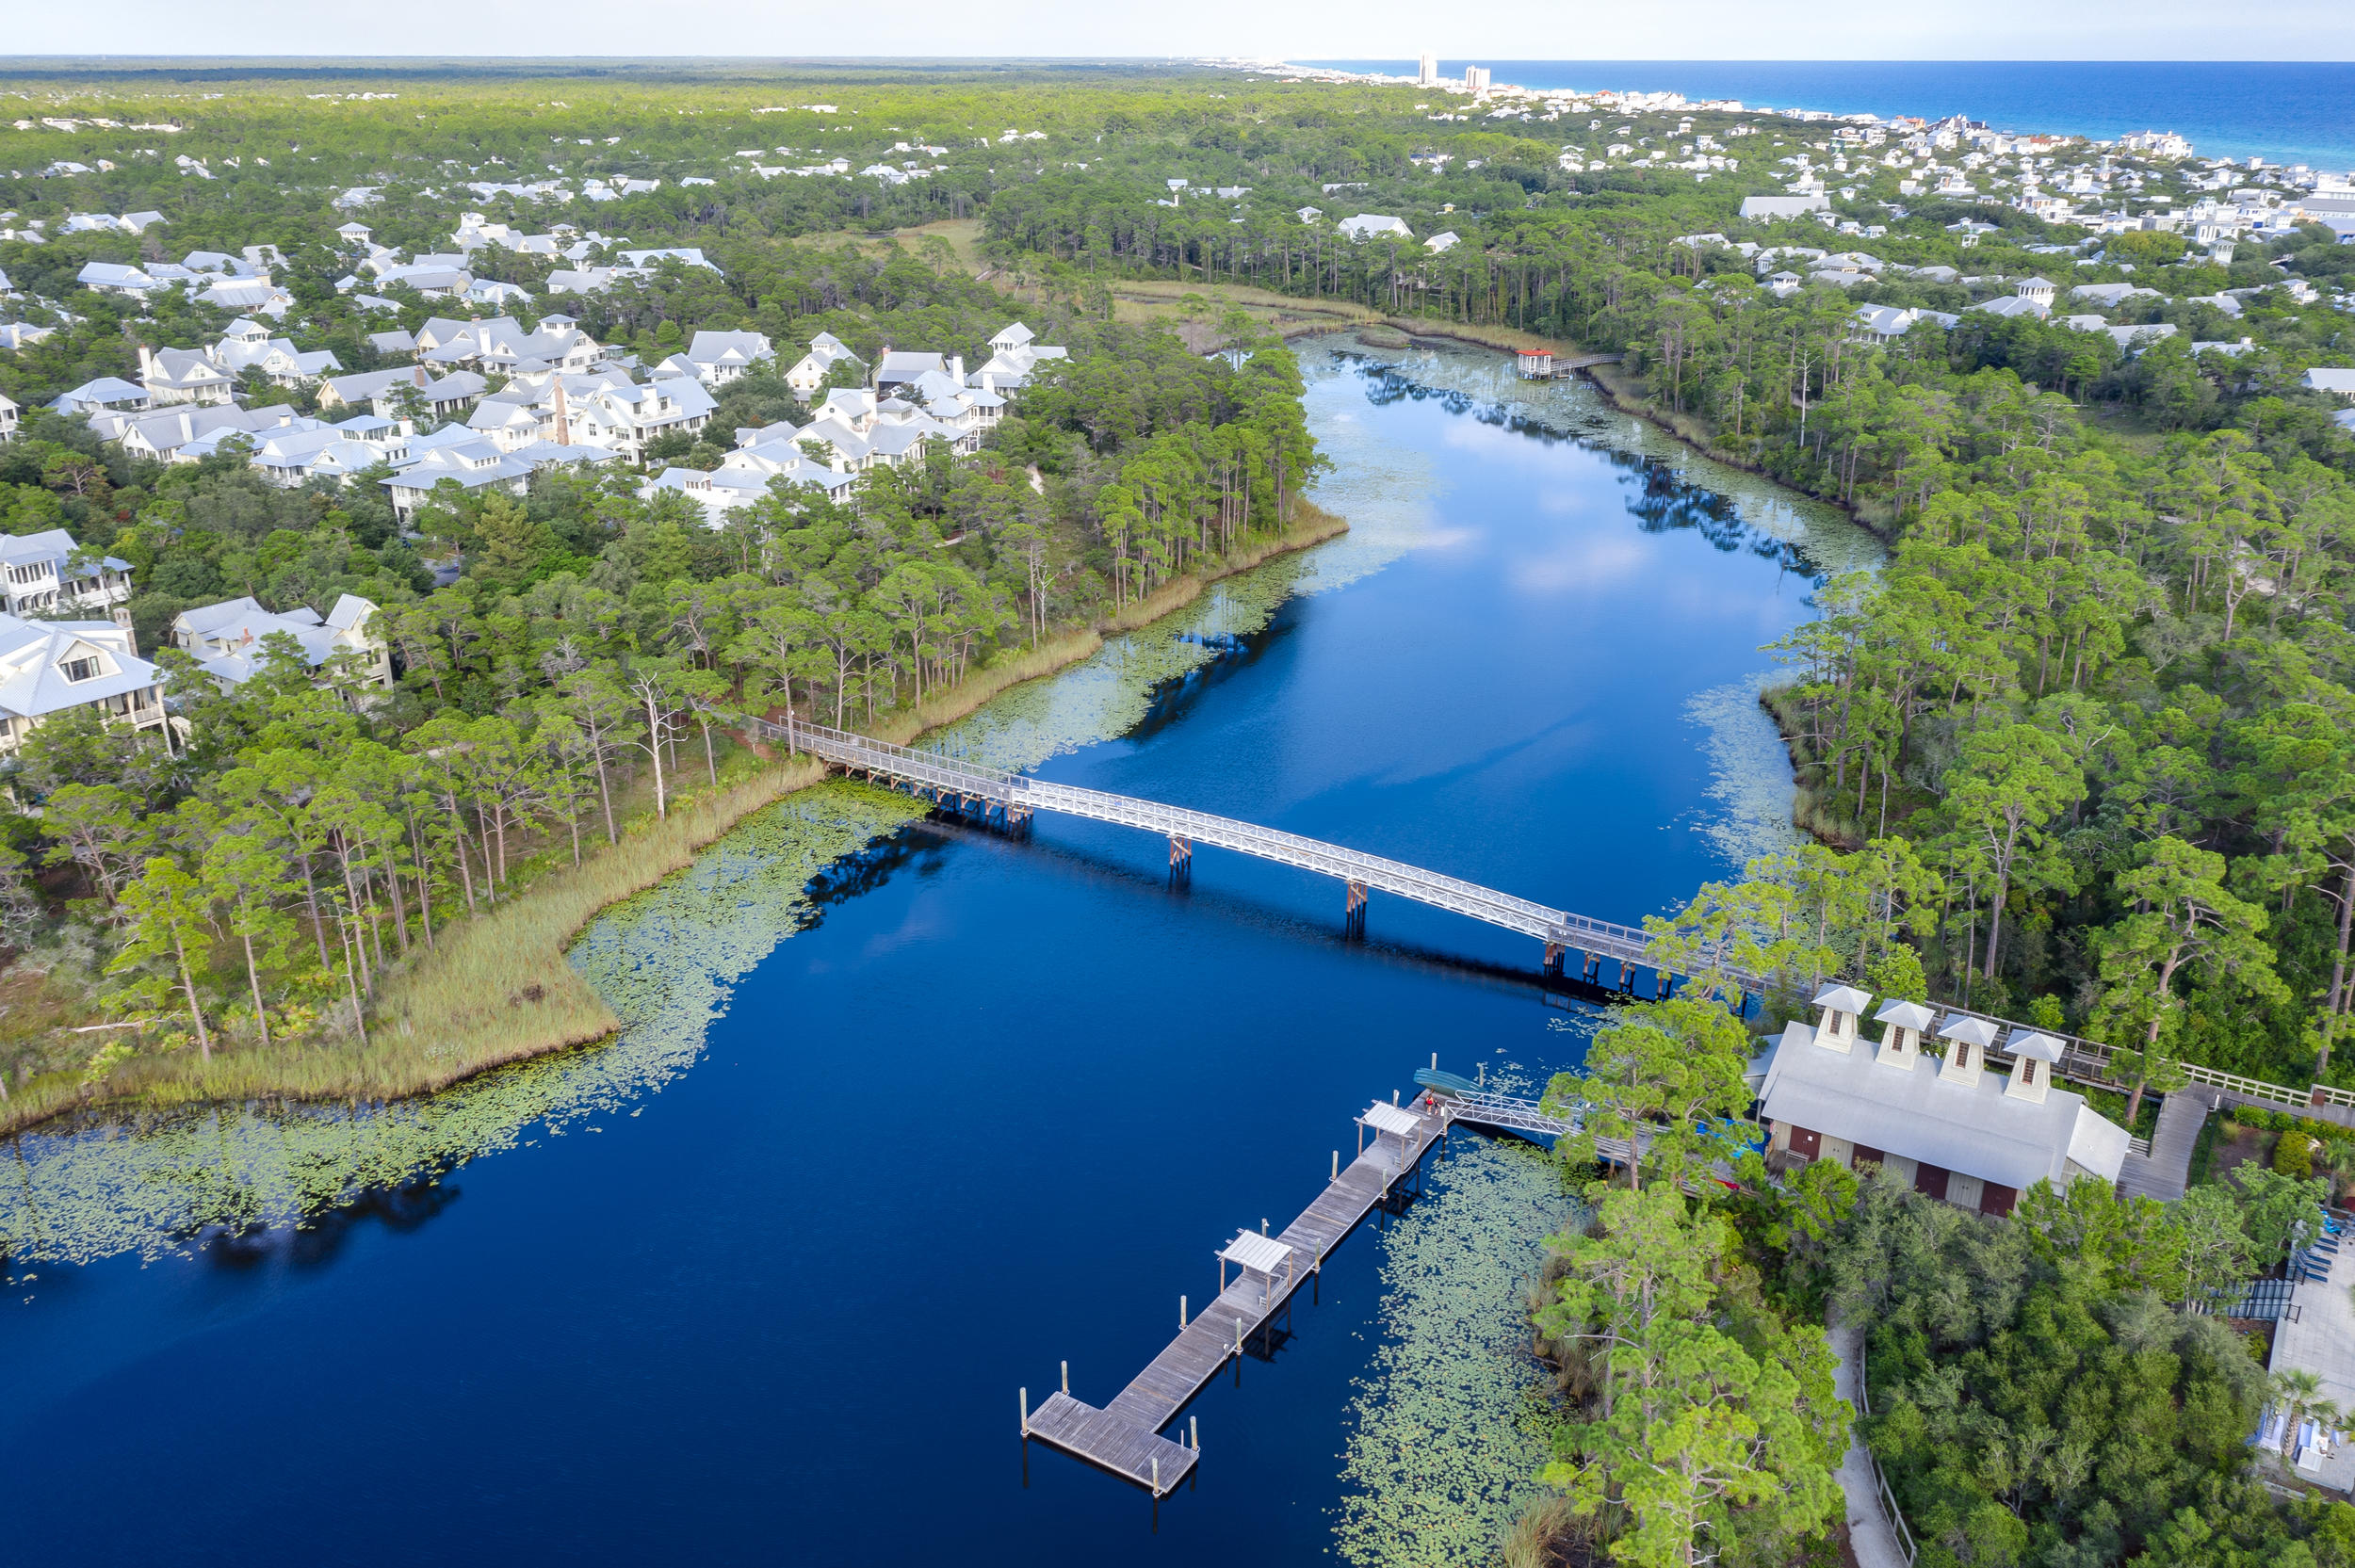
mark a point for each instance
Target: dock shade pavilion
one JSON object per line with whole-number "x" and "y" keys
{"x": 1388, "y": 1120}
{"x": 1254, "y": 1254}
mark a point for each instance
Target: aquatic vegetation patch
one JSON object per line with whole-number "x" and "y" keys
{"x": 1451, "y": 1423}
{"x": 1749, "y": 772}
{"x": 665, "y": 959}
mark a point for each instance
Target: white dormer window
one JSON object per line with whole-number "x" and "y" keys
{"x": 1967, "y": 1042}
{"x": 83, "y": 669}
{"x": 1901, "y": 1033}
{"x": 2034, "y": 1058}
{"x": 1837, "y": 1026}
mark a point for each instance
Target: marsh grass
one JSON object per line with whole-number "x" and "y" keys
{"x": 498, "y": 987}
{"x": 1157, "y": 296}
{"x": 1548, "y": 1535}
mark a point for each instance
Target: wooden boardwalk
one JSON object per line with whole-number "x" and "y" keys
{"x": 2164, "y": 1171}
{"x": 1125, "y": 1437}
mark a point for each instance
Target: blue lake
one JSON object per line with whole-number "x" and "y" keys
{"x": 995, "y": 1105}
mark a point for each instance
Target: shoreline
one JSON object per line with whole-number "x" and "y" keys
{"x": 1624, "y": 399}
{"x": 520, "y": 995}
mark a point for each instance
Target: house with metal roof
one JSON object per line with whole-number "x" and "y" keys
{"x": 1944, "y": 1122}
{"x": 183, "y": 376}
{"x": 1366, "y": 225}
{"x": 474, "y": 465}
{"x": 52, "y": 667}
{"x": 40, "y": 573}
{"x": 721, "y": 357}
{"x": 625, "y": 418}
{"x": 184, "y": 432}
{"x": 809, "y": 372}
{"x": 107, "y": 392}
{"x": 387, "y": 391}
{"x": 116, "y": 278}
{"x": 226, "y": 640}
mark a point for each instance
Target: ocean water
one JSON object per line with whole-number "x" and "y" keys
{"x": 2285, "y": 111}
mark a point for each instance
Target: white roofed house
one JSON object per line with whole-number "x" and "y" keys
{"x": 952, "y": 402}
{"x": 1772, "y": 209}
{"x": 183, "y": 376}
{"x": 751, "y": 472}
{"x": 53, "y": 667}
{"x": 107, "y": 392}
{"x": 39, "y": 575}
{"x": 1366, "y": 225}
{"x": 168, "y": 436}
{"x": 809, "y": 372}
{"x": 116, "y": 278}
{"x": 386, "y": 392}
{"x": 472, "y": 465}
{"x": 320, "y": 451}
{"x": 505, "y": 346}
{"x": 249, "y": 346}
{"x": 10, "y": 415}
{"x": 901, "y": 367}
{"x": 1013, "y": 338}
{"x": 1952, "y": 1129}
{"x": 625, "y": 419}
{"x": 719, "y": 358}
{"x": 645, "y": 262}
{"x": 226, "y": 640}
{"x": 580, "y": 279}
{"x": 247, "y": 296}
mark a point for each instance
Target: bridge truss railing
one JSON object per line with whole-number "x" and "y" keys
{"x": 1558, "y": 928}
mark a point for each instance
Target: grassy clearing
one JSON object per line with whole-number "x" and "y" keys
{"x": 1153, "y": 300}
{"x": 499, "y": 987}
{"x": 962, "y": 237}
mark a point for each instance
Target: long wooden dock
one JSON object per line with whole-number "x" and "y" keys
{"x": 1124, "y": 1437}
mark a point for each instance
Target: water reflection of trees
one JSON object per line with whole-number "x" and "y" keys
{"x": 1662, "y": 500}
{"x": 1173, "y": 697}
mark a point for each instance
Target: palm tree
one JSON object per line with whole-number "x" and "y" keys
{"x": 2298, "y": 1392}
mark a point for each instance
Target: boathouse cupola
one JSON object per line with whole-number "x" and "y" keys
{"x": 1902, "y": 1024}
{"x": 1841, "y": 1005}
{"x": 2035, "y": 1058}
{"x": 1967, "y": 1040}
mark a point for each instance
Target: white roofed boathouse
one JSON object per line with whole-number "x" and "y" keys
{"x": 1946, "y": 1123}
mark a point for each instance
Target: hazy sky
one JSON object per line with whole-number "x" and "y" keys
{"x": 1501, "y": 29}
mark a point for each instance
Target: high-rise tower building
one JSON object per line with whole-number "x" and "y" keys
{"x": 1429, "y": 75}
